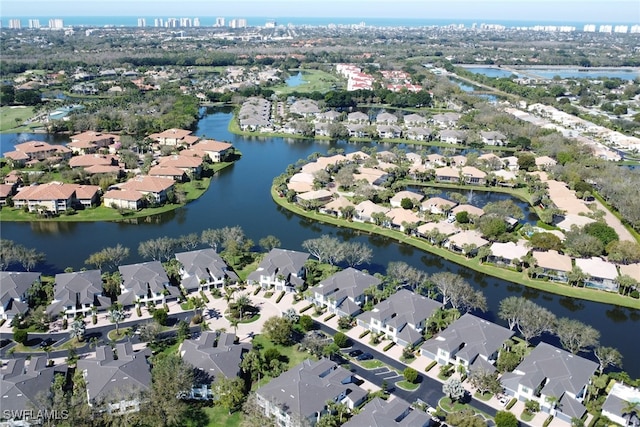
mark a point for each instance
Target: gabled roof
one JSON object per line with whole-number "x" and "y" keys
{"x": 404, "y": 307}
{"x": 472, "y": 335}
{"x": 389, "y": 413}
{"x": 597, "y": 267}
{"x": 15, "y": 284}
{"x": 80, "y": 287}
{"x": 560, "y": 371}
{"x": 148, "y": 183}
{"x": 109, "y": 379}
{"x": 202, "y": 264}
{"x": 137, "y": 279}
{"x": 552, "y": 260}
{"x": 25, "y": 383}
{"x": 349, "y": 282}
{"x": 468, "y": 237}
{"x": 400, "y": 195}
{"x": 49, "y": 191}
{"x": 128, "y": 195}
{"x": 509, "y": 250}
{"x": 280, "y": 261}
{"x": 214, "y": 353}
{"x": 303, "y": 390}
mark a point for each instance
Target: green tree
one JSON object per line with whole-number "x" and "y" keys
{"x": 453, "y": 389}
{"x": 462, "y": 217}
{"x": 576, "y": 336}
{"x": 341, "y": 340}
{"x": 545, "y": 242}
{"x": 306, "y": 322}
{"x": 170, "y": 377}
{"x": 527, "y": 161}
{"x": 160, "y": 315}
{"x": 229, "y": 392}
{"x": 602, "y": 232}
{"x": 506, "y": 419}
{"x": 485, "y": 381}
{"x": 607, "y": 356}
{"x": 269, "y": 242}
{"x": 410, "y": 375}
{"x": 116, "y": 315}
{"x": 20, "y": 336}
{"x": 278, "y": 329}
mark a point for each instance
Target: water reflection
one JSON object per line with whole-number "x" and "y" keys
{"x": 54, "y": 227}
{"x": 571, "y": 304}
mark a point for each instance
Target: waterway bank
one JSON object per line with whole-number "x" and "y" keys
{"x": 472, "y": 263}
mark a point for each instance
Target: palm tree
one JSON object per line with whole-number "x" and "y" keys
{"x": 197, "y": 303}
{"x": 629, "y": 410}
{"x": 576, "y": 276}
{"x": 242, "y": 302}
{"x": 77, "y": 329}
{"x": 117, "y": 315}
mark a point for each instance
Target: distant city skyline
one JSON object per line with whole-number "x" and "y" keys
{"x": 622, "y": 11}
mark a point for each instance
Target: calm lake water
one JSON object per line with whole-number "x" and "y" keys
{"x": 565, "y": 73}
{"x": 295, "y": 80}
{"x": 239, "y": 195}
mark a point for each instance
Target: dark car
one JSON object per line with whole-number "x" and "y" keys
{"x": 365, "y": 356}
{"x": 355, "y": 353}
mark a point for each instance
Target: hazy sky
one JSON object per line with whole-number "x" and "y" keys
{"x": 600, "y": 11}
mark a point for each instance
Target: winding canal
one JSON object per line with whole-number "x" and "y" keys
{"x": 239, "y": 195}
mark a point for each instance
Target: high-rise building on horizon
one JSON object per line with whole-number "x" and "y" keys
{"x": 158, "y": 22}
{"x": 196, "y": 22}
{"x": 142, "y": 22}
{"x": 219, "y": 22}
{"x": 56, "y": 24}
{"x": 34, "y": 23}
{"x": 238, "y": 23}
{"x": 15, "y": 24}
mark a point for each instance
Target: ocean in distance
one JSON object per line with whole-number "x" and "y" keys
{"x": 252, "y": 21}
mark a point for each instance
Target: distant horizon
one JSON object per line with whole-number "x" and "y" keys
{"x": 561, "y": 11}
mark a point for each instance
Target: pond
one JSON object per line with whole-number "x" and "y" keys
{"x": 295, "y": 80}
{"x": 239, "y": 195}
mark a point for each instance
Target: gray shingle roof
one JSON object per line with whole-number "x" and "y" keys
{"x": 280, "y": 261}
{"x": 108, "y": 378}
{"x": 24, "y": 383}
{"x": 80, "y": 287}
{"x": 382, "y": 413}
{"x": 202, "y": 264}
{"x": 348, "y": 282}
{"x": 562, "y": 370}
{"x": 214, "y": 353}
{"x": 472, "y": 335}
{"x": 304, "y": 389}
{"x": 14, "y": 286}
{"x": 138, "y": 279}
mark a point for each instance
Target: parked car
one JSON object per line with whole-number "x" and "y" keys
{"x": 355, "y": 353}
{"x": 365, "y": 356}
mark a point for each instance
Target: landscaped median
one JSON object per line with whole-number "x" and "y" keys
{"x": 474, "y": 263}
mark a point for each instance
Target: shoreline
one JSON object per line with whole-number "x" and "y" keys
{"x": 520, "y": 278}
{"x": 625, "y": 68}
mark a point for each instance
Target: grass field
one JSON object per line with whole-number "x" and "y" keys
{"x": 314, "y": 80}
{"x": 11, "y": 118}
{"x": 472, "y": 263}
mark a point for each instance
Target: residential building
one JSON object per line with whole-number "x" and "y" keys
{"x": 282, "y": 269}
{"x": 14, "y": 292}
{"x": 314, "y": 199}
{"x": 154, "y": 188}
{"x": 365, "y": 211}
{"x": 400, "y": 218}
{"x": 507, "y": 253}
{"x": 466, "y": 242}
{"x": 191, "y": 165}
{"x": 124, "y": 199}
{"x": 493, "y": 138}
{"x": 217, "y": 151}
{"x": 451, "y": 136}
{"x": 299, "y": 396}
{"x": 469, "y": 341}
{"x": 396, "y": 200}
{"x": 203, "y": 270}
{"x": 175, "y": 137}
{"x": 56, "y": 197}
{"x": 344, "y": 292}
{"x": 601, "y": 274}
{"x": 115, "y": 378}
{"x": 386, "y": 118}
{"x": 36, "y": 151}
{"x": 437, "y": 206}
{"x": 555, "y": 266}
{"x": 554, "y": 378}
{"x": 402, "y": 317}
{"x": 389, "y": 413}
{"x": 25, "y": 383}
{"x": 615, "y": 407}
{"x": 336, "y": 207}
{"x": 145, "y": 283}
{"x": 473, "y": 211}
{"x": 78, "y": 294}
{"x": 212, "y": 355}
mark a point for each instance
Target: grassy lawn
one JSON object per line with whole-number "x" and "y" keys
{"x": 219, "y": 416}
{"x": 446, "y": 404}
{"x": 527, "y": 416}
{"x": 484, "y": 397}
{"x": 406, "y": 385}
{"x": 472, "y": 263}
{"x": 370, "y": 364}
{"x": 313, "y": 81}
{"x": 113, "y": 336}
{"x": 290, "y": 352}
{"x": 13, "y": 117}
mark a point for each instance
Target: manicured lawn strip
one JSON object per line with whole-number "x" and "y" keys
{"x": 290, "y": 352}
{"x": 474, "y": 264}
{"x": 312, "y": 81}
{"x": 406, "y": 385}
{"x": 370, "y": 364}
{"x": 120, "y": 335}
{"x": 526, "y": 416}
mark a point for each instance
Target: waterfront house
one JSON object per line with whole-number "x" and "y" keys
{"x": 357, "y": 130}
{"x": 280, "y": 268}
{"x": 203, "y": 270}
{"x": 217, "y": 151}
{"x": 444, "y": 227}
{"x": 124, "y": 199}
{"x": 601, "y": 274}
{"x": 414, "y": 120}
{"x": 389, "y": 413}
{"x": 399, "y": 218}
{"x": 335, "y": 207}
{"x": 343, "y": 292}
{"x": 419, "y": 134}
{"x": 446, "y": 119}
{"x": 90, "y": 142}
{"x": 365, "y": 211}
{"x": 473, "y": 211}
{"x": 191, "y": 165}
{"x": 36, "y": 150}
{"x": 116, "y": 377}
{"x": 555, "y": 266}
{"x": 396, "y": 200}
{"x": 466, "y": 242}
{"x": 402, "y": 317}
{"x": 389, "y": 131}
{"x": 358, "y": 117}
{"x": 469, "y": 341}
{"x": 437, "y": 206}
{"x": 14, "y": 291}
{"x": 153, "y": 187}
{"x": 386, "y": 118}
{"x": 145, "y": 283}
{"x": 549, "y": 372}
{"x": 170, "y": 172}
{"x": 212, "y": 355}
{"x": 451, "y": 136}
{"x": 313, "y": 199}
{"x": 56, "y": 197}
{"x": 493, "y": 138}
{"x": 78, "y": 294}
{"x": 299, "y": 396}
{"x": 507, "y": 253}
{"x": 618, "y": 400}
{"x": 305, "y": 107}
{"x": 434, "y": 161}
